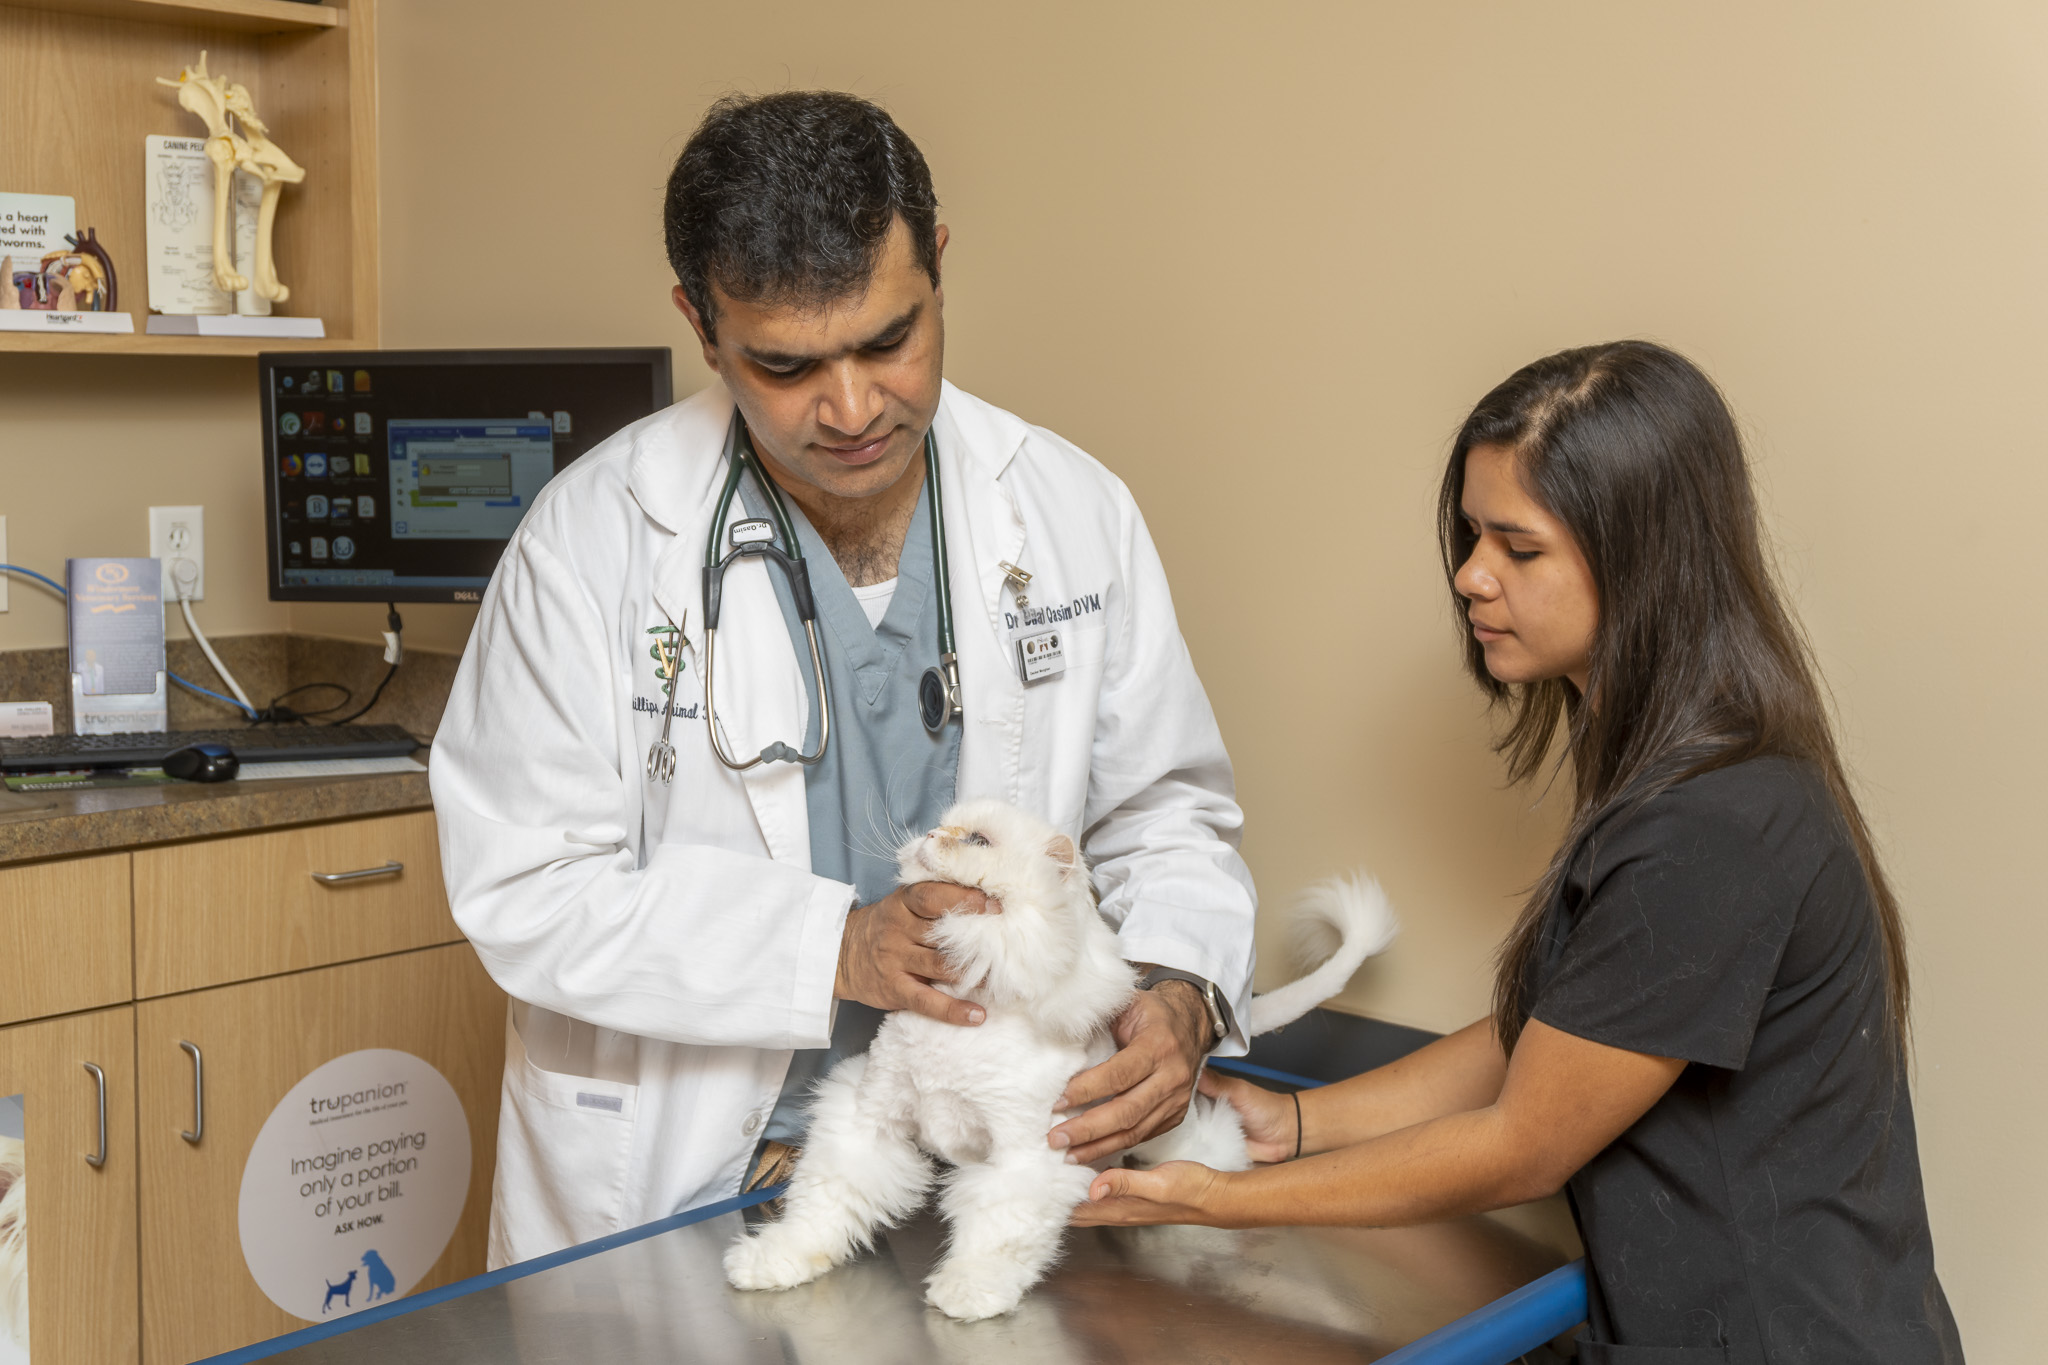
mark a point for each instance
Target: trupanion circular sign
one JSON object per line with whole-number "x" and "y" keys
{"x": 355, "y": 1184}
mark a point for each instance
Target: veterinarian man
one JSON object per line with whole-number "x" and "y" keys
{"x": 688, "y": 946}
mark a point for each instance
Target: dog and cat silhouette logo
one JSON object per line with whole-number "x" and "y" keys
{"x": 382, "y": 1283}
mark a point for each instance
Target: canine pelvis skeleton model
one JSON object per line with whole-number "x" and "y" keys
{"x": 244, "y": 145}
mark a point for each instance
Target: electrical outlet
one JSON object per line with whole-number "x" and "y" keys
{"x": 3, "y": 560}
{"x": 177, "y": 536}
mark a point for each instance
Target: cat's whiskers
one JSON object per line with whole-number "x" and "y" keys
{"x": 876, "y": 842}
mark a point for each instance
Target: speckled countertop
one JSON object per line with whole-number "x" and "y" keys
{"x": 50, "y": 824}
{"x": 53, "y": 824}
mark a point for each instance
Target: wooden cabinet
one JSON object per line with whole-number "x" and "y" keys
{"x": 64, "y": 938}
{"x": 81, "y": 1216}
{"x": 260, "y": 952}
{"x": 256, "y": 904}
{"x": 258, "y": 1039}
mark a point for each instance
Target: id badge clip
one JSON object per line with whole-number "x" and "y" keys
{"x": 1040, "y": 649}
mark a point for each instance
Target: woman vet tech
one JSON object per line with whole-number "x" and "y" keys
{"x": 1700, "y": 1017}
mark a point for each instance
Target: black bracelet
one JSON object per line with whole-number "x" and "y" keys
{"x": 1297, "y": 1125}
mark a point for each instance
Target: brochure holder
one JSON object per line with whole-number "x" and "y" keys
{"x": 118, "y": 669}
{"x": 119, "y": 713}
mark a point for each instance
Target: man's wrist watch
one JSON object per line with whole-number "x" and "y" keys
{"x": 1212, "y": 999}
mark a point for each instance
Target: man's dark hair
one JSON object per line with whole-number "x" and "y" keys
{"x": 788, "y": 198}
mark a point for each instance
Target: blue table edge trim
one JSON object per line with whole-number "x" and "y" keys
{"x": 1238, "y": 1066}
{"x": 490, "y": 1279}
{"x": 1515, "y": 1323}
{"x": 1510, "y": 1326}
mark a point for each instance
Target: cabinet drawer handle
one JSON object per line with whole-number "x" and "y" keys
{"x": 334, "y": 878}
{"x": 198, "y": 1094}
{"x": 99, "y": 1078}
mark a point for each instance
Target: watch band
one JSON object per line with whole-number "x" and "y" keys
{"x": 1219, "y": 1009}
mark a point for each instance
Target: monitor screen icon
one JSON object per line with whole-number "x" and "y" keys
{"x": 428, "y": 460}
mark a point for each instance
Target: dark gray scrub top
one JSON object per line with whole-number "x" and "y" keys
{"x": 884, "y": 776}
{"x": 1768, "y": 1208}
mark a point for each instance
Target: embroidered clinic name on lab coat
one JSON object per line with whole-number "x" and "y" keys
{"x": 666, "y": 651}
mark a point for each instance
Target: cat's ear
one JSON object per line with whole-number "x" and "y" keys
{"x": 1062, "y": 851}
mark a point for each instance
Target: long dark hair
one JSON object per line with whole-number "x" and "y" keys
{"x": 1696, "y": 663}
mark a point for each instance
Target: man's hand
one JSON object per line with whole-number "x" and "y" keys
{"x": 1164, "y": 1035}
{"x": 885, "y": 961}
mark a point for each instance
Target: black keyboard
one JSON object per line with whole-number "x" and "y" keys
{"x": 260, "y": 744}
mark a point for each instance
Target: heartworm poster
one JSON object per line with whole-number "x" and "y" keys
{"x": 13, "y": 1231}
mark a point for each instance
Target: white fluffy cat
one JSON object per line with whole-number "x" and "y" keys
{"x": 1047, "y": 972}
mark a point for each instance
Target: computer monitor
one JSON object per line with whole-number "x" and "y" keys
{"x": 398, "y": 476}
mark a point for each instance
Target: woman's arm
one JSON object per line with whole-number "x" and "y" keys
{"x": 1563, "y": 1100}
{"x": 1458, "y": 1072}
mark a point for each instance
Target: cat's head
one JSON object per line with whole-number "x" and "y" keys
{"x": 1048, "y": 947}
{"x": 986, "y": 843}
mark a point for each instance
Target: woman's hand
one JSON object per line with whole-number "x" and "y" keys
{"x": 1269, "y": 1118}
{"x": 1178, "y": 1192}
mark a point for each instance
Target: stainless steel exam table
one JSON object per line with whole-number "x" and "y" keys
{"x": 1473, "y": 1291}
{"x": 1305, "y": 1296}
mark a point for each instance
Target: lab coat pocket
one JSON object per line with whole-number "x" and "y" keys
{"x": 1606, "y": 1353}
{"x": 564, "y": 1147}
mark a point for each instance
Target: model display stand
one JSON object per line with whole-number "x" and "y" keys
{"x": 310, "y": 69}
{"x": 73, "y": 290}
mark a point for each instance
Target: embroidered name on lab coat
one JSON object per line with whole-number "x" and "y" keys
{"x": 1085, "y": 605}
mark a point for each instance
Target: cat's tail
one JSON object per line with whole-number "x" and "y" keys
{"x": 1342, "y": 922}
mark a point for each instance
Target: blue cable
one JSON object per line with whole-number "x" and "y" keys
{"x": 31, "y": 573}
{"x": 58, "y": 588}
{"x": 247, "y": 712}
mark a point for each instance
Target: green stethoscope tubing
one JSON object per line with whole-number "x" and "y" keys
{"x": 938, "y": 690}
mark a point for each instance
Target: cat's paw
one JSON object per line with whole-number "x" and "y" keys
{"x": 970, "y": 1293}
{"x": 767, "y": 1261}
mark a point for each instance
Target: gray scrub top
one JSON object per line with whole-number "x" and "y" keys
{"x": 884, "y": 776}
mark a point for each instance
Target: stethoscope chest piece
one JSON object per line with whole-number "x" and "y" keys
{"x": 938, "y": 694}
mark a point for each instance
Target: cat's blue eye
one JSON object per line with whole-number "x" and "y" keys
{"x": 978, "y": 839}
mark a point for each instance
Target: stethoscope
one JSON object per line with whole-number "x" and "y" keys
{"x": 938, "y": 691}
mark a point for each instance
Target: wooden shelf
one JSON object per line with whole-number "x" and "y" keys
{"x": 237, "y": 16}
{"x": 78, "y": 95}
{"x": 142, "y": 344}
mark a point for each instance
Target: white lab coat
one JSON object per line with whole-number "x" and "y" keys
{"x": 667, "y": 946}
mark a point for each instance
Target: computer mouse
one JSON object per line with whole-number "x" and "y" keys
{"x": 203, "y": 763}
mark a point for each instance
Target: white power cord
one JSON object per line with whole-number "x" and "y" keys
{"x": 206, "y": 645}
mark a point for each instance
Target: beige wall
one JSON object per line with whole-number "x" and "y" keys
{"x": 89, "y": 443}
{"x": 1260, "y": 259}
